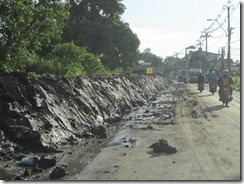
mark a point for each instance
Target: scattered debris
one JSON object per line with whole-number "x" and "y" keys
{"x": 45, "y": 114}
{"x": 163, "y": 146}
{"x": 194, "y": 113}
{"x": 128, "y": 142}
{"x": 58, "y": 172}
{"x": 29, "y": 161}
{"x": 45, "y": 163}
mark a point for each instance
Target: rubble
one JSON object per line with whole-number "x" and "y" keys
{"x": 44, "y": 114}
{"x": 163, "y": 146}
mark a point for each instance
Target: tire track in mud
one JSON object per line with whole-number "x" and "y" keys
{"x": 217, "y": 152}
{"x": 200, "y": 108}
{"x": 206, "y": 163}
{"x": 199, "y": 151}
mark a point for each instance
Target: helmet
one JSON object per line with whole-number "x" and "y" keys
{"x": 226, "y": 71}
{"x": 213, "y": 72}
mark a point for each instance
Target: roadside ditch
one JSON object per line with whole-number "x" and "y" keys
{"x": 48, "y": 118}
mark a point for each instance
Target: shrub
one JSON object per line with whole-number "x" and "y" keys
{"x": 75, "y": 60}
{"x": 236, "y": 82}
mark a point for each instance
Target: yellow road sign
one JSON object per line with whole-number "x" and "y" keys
{"x": 149, "y": 70}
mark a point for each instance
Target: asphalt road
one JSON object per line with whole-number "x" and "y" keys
{"x": 205, "y": 134}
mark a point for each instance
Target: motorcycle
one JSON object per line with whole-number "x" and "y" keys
{"x": 213, "y": 88}
{"x": 226, "y": 98}
{"x": 201, "y": 86}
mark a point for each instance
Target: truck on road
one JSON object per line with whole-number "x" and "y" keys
{"x": 193, "y": 73}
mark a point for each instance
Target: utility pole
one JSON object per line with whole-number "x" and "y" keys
{"x": 200, "y": 45}
{"x": 206, "y": 35}
{"x": 176, "y": 54}
{"x": 222, "y": 58}
{"x": 229, "y": 35}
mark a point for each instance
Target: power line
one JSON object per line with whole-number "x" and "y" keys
{"x": 217, "y": 37}
{"x": 235, "y": 48}
{"x": 206, "y": 35}
{"x": 236, "y": 54}
{"x": 210, "y": 28}
{"x": 235, "y": 41}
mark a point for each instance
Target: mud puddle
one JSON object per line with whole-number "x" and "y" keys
{"x": 161, "y": 111}
{"x": 150, "y": 117}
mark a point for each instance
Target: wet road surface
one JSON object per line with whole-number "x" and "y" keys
{"x": 205, "y": 134}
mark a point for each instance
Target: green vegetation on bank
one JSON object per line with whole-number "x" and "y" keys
{"x": 236, "y": 80}
{"x": 78, "y": 38}
{"x": 65, "y": 38}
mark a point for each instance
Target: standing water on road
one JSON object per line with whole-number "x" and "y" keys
{"x": 158, "y": 113}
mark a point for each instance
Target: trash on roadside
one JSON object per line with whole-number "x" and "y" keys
{"x": 163, "y": 146}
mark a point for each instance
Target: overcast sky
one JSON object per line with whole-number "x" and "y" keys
{"x": 167, "y": 27}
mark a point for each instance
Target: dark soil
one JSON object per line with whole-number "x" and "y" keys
{"x": 63, "y": 122}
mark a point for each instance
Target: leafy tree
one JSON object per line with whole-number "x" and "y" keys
{"x": 122, "y": 52}
{"x": 173, "y": 65}
{"x": 96, "y": 25}
{"x": 112, "y": 9}
{"x": 151, "y": 58}
{"x": 74, "y": 59}
{"x": 27, "y": 25}
{"x": 198, "y": 60}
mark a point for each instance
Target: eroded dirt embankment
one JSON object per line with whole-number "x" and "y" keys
{"x": 45, "y": 113}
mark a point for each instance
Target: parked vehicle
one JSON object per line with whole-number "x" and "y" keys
{"x": 192, "y": 79}
{"x": 193, "y": 73}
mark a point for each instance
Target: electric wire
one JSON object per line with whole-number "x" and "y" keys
{"x": 210, "y": 29}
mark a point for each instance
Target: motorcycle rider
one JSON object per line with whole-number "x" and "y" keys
{"x": 200, "y": 79}
{"x": 212, "y": 79}
{"x": 225, "y": 81}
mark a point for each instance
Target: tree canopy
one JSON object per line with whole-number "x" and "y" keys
{"x": 33, "y": 30}
{"x": 27, "y": 25}
{"x": 152, "y": 59}
{"x": 198, "y": 60}
{"x": 96, "y": 25}
{"x": 30, "y": 27}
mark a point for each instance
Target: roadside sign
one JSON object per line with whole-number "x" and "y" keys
{"x": 149, "y": 70}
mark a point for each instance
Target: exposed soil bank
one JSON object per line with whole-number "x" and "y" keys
{"x": 45, "y": 114}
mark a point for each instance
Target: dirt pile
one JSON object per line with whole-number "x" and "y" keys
{"x": 46, "y": 113}
{"x": 163, "y": 146}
